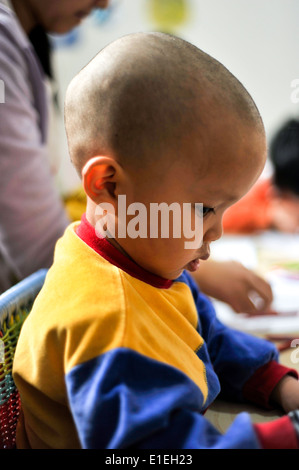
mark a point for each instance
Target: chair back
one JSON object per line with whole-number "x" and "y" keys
{"x": 15, "y": 305}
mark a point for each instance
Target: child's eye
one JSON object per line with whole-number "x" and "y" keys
{"x": 203, "y": 211}
{"x": 207, "y": 210}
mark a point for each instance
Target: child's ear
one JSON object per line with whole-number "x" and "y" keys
{"x": 99, "y": 178}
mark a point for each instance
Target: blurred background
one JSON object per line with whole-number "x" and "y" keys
{"x": 258, "y": 41}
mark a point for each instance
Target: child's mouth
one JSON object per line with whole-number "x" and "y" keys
{"x": 193, "y": 265}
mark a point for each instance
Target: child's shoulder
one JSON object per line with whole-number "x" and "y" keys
{"x": 81, "y": 307}
{"x": 79, "y": 279}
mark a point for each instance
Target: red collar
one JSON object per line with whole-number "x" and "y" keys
{"x": 87, "y": 233}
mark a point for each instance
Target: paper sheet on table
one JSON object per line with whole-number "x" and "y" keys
{"x": 257, "y": 324}
{"x": 270, "y": 253}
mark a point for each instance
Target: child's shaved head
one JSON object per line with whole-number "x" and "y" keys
{"x": 142, "y": 95}
{"x": 156, "y": 120}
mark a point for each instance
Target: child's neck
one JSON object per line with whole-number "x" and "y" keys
{"x": 90, "y": 216}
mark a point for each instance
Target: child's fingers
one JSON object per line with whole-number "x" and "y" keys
{"x": 260, "y": 293}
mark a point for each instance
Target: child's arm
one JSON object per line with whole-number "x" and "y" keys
{"x": 247, "y": 366}
{"x": 286, "y": 394}
{"x": 124, "y": 400}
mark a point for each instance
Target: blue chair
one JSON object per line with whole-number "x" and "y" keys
{"x": 15, "y": 305}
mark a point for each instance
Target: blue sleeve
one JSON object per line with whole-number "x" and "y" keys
{"x": 235, "y": 355}
{"x": 123, "y": 400}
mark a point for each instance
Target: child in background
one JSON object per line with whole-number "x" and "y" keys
{"x": 272, "y": 203}
{"x": 121, "y": 349}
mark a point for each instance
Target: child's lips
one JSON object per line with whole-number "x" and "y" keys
{"x": 193, "y": 265}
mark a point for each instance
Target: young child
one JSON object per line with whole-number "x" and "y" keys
{"x": 121, "y": 350}
{"x": 272, "y": 203}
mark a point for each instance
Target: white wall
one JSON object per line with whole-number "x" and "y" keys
{"x": 257, "y": 40}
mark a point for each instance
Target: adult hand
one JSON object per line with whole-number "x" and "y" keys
{"x": 234, "y": 284}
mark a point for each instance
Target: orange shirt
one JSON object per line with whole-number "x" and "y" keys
{"x": 251, "y": 213}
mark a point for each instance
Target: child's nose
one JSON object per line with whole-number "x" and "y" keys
{"x": 214, "y": 231}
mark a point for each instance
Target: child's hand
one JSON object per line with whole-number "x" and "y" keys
{"x": 233, "y": 283}
{"x": 286, "y": 393}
